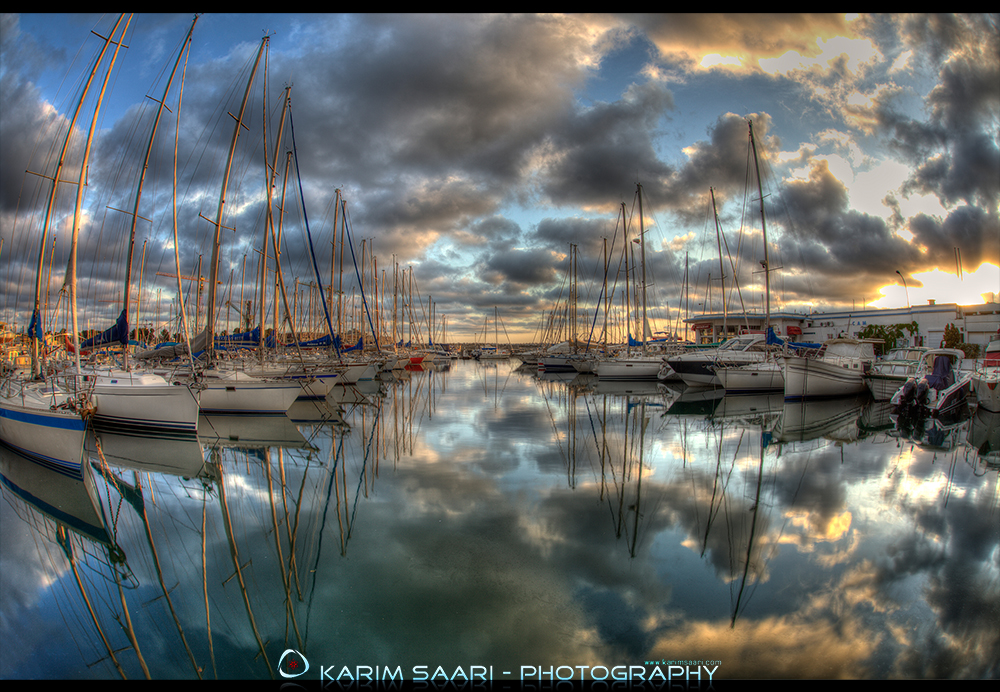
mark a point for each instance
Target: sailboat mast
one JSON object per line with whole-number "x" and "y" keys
{"x": 71, "y": 270}
{"x": 35, "y": 329}
{"x": 573, "y": 298}
{"x": 642, "y": 258}
{"x": 138, "y": 194}
{"x": 270, "y": 221}
{"x": 173, "y": 202}
{"x": 214, "y": 267}
{"x": 333, "y": 258}
{"x": 606, "y": 297}
{"x": 722, "y": 269}
{"x": 763, "y": 226}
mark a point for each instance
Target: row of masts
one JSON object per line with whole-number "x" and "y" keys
{"x": 372, "y": 322}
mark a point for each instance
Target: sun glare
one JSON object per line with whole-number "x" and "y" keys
{"x": 972, "y": 288}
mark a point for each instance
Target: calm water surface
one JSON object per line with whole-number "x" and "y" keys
{"x": 479, "y": 520}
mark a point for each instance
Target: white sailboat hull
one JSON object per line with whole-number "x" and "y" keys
{"x": 52, "y": 438}
{"x": 357, "y": 372}
{"x": 261, "y": 398}
{"x": 315, "y": 385}
{"x": 232, "y": 391}
{"x": 143, "y": 401}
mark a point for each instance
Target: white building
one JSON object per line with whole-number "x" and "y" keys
{"x": 977, "y": 323}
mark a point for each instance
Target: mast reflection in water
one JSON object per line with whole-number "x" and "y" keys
{"x": 480, "y": 515}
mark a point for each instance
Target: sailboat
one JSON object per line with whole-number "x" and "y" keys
{"x": 746, "y": 351}
{"x": 125, "y": 398}
{"x": 563, "y": 357}
{"x": 640, "y": 366}
{"x": 41, "y": 417}
{"x": 494, "y": 353}
{"x": 226, "y": 390}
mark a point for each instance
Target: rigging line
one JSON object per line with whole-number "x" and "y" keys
{"x": 305, "y": 218}
{"x": 357, "y": 271}
{"x": 604, "y": 286}
{"x": 736, "y": 278}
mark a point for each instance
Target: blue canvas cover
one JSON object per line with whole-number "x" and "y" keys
{"x": 942, "y": 376}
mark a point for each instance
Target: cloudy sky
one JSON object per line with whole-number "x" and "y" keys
{"x": 475, "y": 149}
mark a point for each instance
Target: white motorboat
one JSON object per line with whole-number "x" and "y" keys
{"x": 765, "y": 376}
{"x": 697, "y": 368}
{"x": 837, "y": 370}
{"x": 891, "y": 372}
{"x": 634, "y": 367}
{"x": 938, "y": 387}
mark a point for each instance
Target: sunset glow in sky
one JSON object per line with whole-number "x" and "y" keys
{"x": 474, "y": 149}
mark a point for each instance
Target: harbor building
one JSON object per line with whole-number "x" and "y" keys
{"x": 977, "y": 323}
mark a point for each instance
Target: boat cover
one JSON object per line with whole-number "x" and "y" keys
{"x": 942, "y": 376}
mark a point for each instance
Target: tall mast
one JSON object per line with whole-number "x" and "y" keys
{"x": 333, "y": 257}
{"x": 270, "y": 220}
{"x": 763, "y": 226}
{"x": 214, "y": 267}
{"x": 572, "y": 297}
{"x": 606, "y": 297}
{"x": 138, "y": 193}
{"x": 177, "y": 255}
{"x": 642, "y": 256}
{"x": 71, "y": 270}
{"x": 722, "y": 269}
{"x": 35, "y": 329}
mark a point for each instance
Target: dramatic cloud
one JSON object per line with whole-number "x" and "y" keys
{"x": 475, "y": 148}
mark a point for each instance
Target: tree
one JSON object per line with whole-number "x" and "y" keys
{"x": 890, "y": 334}
{"x": 953, "y": 338}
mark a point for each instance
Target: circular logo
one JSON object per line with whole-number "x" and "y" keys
{"x": 292, "y": 664}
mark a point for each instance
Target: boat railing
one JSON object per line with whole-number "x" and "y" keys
{"x": 61, "y": 389}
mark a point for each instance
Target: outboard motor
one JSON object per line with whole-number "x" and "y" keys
{"x": 911, "y": 411}
{"x": 909, "y": 387}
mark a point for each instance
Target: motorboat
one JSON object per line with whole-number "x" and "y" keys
{"x": 838, "y": 369}
{"x": 937, "y": 389}
{"x": 891, "y": 372}
{"x": 697, "y": 368}
{"x": 629, "y": 367}
{"x": 765, "y": 376}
